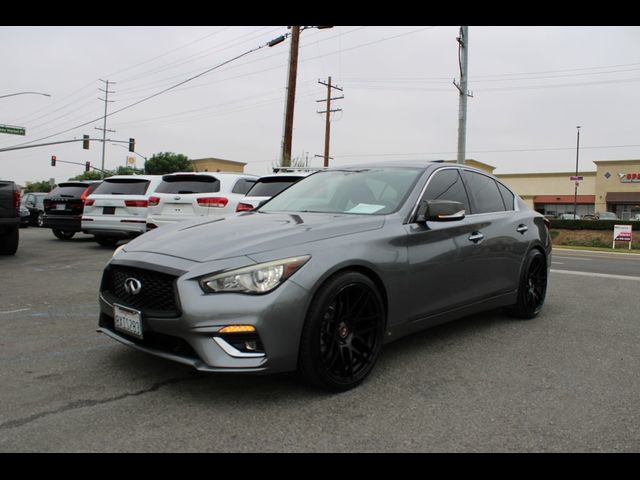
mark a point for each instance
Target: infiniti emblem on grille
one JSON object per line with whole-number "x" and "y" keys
{"x": 132, "y": 286}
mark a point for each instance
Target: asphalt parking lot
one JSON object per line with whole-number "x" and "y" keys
{"x": 568, "y": 381}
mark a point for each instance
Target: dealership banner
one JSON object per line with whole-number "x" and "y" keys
{"x": 622, "y": 233}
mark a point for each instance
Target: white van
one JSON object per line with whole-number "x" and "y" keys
{"x": 117, "y": 209}
{"x": 189, "y": 195}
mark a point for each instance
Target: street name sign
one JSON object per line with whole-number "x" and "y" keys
{"x": 13, "y": 130}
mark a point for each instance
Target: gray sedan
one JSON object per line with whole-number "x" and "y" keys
{"x": 325, "y": 273}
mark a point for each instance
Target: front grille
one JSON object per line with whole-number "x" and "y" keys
{"x": 157, "y": 296}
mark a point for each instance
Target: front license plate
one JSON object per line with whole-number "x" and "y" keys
{"x": 127, "y": 320}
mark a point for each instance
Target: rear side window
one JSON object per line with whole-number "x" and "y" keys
{"x": 243, "y": 185}
{"x": 447, "y": 185}
{"x": 507, "y": 196}
{"x": 270, "y": 187}
{"x": 188, "y": 184}
{"x": 122, "y": 186}
{"x": 484, "y": 192}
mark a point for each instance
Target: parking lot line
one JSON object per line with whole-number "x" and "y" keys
{"x": 600, "y": 275}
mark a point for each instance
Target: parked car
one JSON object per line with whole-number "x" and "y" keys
{"x": 636, "y": 217}
{"x": 9, "y": 217}
{"x": 34, "y": 202}
{"x": 63, "y": 207}
{"x": 188, "y": 195}
{"x": 568, "y": 216}
{"x": 24, "y": 216}
{"x": 606, "y": 216}
{"x": 267, "y": 187}
{"x": 117, "y": 209}
{"x": 589, "y": 216}
{"x": 322, "y": 275}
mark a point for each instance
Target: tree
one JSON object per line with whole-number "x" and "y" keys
{"x": 167, "y": 162}
{"x": 42, "y": 186}
{"x": 90, "y": 175}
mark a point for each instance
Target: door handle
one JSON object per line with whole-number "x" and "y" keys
{"x": 522, "y": 229}
{"x": 476, "y": 237}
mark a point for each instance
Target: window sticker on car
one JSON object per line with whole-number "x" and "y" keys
{"x": 365, "y": 208}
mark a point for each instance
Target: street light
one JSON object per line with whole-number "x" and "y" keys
{"x": 25, "y": 93}
{"x": 575, "y": 195}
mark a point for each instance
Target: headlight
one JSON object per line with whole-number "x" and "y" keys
{"x": 260, "y": 278}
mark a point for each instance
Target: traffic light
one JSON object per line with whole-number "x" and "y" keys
{"x": 53, "y": 160}
{"x": 132, "y": 144}
{"x": 85, "y": 142}
{"x": 87, "y": 166}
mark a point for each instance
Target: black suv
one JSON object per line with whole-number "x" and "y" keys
{"x": 9, "y": 217}
{"x": 63, "y": 207}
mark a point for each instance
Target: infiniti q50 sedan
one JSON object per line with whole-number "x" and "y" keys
{"x": 324, "y": 274}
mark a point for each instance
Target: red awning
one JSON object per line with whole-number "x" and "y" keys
{"x": 582, "y": 199}
{"x": 632, "y": 198}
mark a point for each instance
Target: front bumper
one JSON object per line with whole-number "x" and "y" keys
{"x": 192, "y": 337}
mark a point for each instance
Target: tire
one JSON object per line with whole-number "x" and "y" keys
{"x": 9, "y": 241}
{"x": 343, "y": 332}
{"x": 106, "y": 241}
{"x": 532, "y": 288}
{"x": 40, "y": 220}
{"x": 62, "y": 234}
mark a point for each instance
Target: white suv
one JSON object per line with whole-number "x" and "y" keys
{"x": 117, "y": 209}
{"x": 186, "y": 196}
{"x": 269, "y": 186}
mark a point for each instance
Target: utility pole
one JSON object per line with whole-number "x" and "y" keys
{"x": 575, "y": 195}
{"x": 463, "y": 53}
{"x": 291, "y": 97}
{"x": 328, "y": 111}
{"x": 104, "y": 123}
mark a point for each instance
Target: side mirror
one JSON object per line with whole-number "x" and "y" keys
{"x": 439, "y": 211}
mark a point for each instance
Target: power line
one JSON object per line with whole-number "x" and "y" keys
{"x": 150, "y": 96}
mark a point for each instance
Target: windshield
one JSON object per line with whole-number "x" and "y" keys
{"x": 365, "y": 192}
{"x": 189, "y": 184}
{"x": 122, "y": 186}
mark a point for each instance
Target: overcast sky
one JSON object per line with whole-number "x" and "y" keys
{"x": 531, "y": 87}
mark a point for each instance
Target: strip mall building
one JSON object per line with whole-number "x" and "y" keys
{"x": 613, "y": 187}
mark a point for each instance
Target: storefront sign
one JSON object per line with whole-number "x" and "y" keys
{"x": 622, "y": 233}
{"x": 633, "y": 177}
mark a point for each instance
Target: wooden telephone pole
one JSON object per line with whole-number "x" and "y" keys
{"x": 328, "y": 111}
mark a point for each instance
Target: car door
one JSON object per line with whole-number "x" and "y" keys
{"x": 440, "y": 253}
{"x": 497, "y": 252}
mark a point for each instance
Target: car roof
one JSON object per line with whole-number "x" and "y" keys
{"x": 214, "y": 174}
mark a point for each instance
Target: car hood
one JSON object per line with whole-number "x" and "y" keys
{"x": 248, "y": 233}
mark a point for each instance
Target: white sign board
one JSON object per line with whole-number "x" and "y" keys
{"x": 622, "y": 233}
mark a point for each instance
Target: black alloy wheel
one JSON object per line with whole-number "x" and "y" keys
{"x": 343, "y": 333}
{"x": 533, "y": 286}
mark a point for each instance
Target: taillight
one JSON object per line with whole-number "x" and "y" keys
{"x": 16, "y": 200}
{"x": 136, "y": 203}
{"x": 84, "y": 196}
{"x": 88, "y": 202}
{"x": 244, "y": 207}
{"x": 219, "y": 202}
{"x": 154, "y": 201}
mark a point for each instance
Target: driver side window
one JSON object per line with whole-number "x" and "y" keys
{"x": 447, "y": 185}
